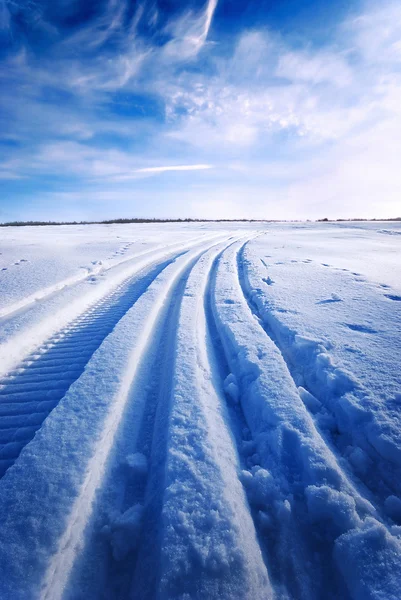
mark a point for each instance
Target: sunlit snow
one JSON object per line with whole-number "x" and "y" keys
{"x": 200, "y": 411}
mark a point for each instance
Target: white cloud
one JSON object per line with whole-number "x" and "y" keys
{"x": 376, "y": 33}
{"x": 339, "y": 108}
{"x": 306, "y": 131}
{"x": 174, "y": 168}
{"x": 315, "y": 68}
{"x": 89, "y": 163}
{"x": 189, "y": 33}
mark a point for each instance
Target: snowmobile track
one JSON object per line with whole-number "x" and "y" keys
{"x": 367, "y": 486}
{"x": 34, "y": 390}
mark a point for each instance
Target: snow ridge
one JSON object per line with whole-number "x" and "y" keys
{"x": 333, "y": 394}
{"x": 293, "y": 477}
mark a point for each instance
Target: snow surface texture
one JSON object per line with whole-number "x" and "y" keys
{"x": 200, "y": 411}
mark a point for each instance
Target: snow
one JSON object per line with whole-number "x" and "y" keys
{"x": 368, "y": 579}
{"x": 392, "y": 505}
{"x": 124, "y": 531}
{"x": 138, "y": 464}
{"x": 200, "y": 411}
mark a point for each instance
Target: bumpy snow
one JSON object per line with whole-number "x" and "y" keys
{"x": 200, "y": 411}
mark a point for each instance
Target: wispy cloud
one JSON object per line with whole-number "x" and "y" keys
{"x": 174, "y": 168}
{"x": 313, "y": 127}
{"x": 5, "y": 17}
{"x": 189, "y": 33}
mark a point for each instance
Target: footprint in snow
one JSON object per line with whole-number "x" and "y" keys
{"x": 353, "y": 350}
{"x": 286, "y": 310}
{"x": 393, "y": 297}
{"x": 360, "y": 328}
{"x": 268, "y": 280}
{"x": 334, "y": 298}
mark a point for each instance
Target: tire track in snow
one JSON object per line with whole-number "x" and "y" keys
{"x": 206, "y": 539}
{"x": 314, "y": 515}
{"x": 242, "y": 435}
{"x": 23, "y": 335}
{"x": 152, "y": 306}
{"x": 11, "y": 310}
{"x": 37, "y": 493}
{"x": 279, "y": 541}
{"x": 144, "y": 439}
{"x": 374, "y": 483}
{"x": 153, "y": 442}
{"x": 32, "y": 392}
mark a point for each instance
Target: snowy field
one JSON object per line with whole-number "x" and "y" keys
{"x": 200, "y": 411}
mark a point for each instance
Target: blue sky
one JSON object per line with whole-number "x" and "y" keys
{"x": 262, "y": 108}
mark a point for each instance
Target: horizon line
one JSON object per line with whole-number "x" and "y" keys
{"x": 139, "y": 220}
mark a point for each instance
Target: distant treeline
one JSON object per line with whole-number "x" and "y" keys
{"x": 352, "y": 220}
{"x": 139, "y": 220}
{"x": 125, "y": 221}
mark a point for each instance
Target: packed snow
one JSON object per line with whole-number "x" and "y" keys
{"x": 200, "y": 410}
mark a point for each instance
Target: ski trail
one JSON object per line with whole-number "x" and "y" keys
{"x": 62, "y": 562}
{"x": 27, "y": 397}
{"x": 293, "y": 477}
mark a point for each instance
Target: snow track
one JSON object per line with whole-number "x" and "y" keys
{"x": 18, "y": 338}
{"x": 93, "y": 422}
{"x": 209, "y": 545}
{"x": 155, "y": 443}
{"x": 222, "y": 549}
{"x": 28, "y": 395}
{"x": 293, "y": 478}
{"x": 95, "y": 269}
{"x": 337, "y": 401}
{"x": 161, "y": 293}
